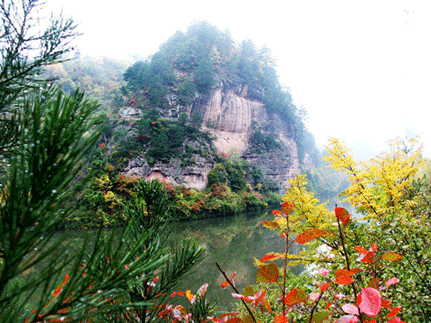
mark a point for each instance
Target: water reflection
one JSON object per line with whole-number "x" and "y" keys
{"x": 232, "y": 242}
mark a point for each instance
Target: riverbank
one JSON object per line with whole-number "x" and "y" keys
{"x": 104, "y": 202}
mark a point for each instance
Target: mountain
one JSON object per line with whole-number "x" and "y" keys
{"x": 202, "y": 96}
{"x": 100, "y": 78}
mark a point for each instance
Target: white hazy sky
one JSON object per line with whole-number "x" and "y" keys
{"x": 361, "y": 69}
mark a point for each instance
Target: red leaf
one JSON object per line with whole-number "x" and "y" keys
{"x": 392, "y": 281}
{"x": 202, "y": 290}
{"x": 369, "y": 258}
{"x": 244, "y": 298}
{"x": 324, "y": 287}
{"x": 323, "y": 271}
{"x": 280, "y": 319}
{"x": 177, "y": 293}
{"x": 309, "y": 235}
{"x": 395, "y": 311}
{"x": 314, "y": 296}
{"x": 342, "y": 215}
{"x": 386, "y": 303}
{"x": 294, "y": 297}
{"x": 348, "y": 319}
{"x": 287, "y": 207}
{"x": 344, "y": 280}
{"x": 362, "y": 250}
{"x": 259, "y": 296}
{"x": 268, "y": 257}
{"x": 226, "y": 283}
{"x": 234, "y": 320}
{"x": 344, "y": 272}
{"x": 276, "y": 212}
{"x": 350, "y": 309}
{"x": 370, "y": 302}
{"x": 268, "y": 273}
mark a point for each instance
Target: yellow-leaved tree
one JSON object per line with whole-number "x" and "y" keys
{"x": 391, "y": 199}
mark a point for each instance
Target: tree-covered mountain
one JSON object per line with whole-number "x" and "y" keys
{"x": 205, "y": 115}
{"x": 100, "y": 78}
{"x": 191, "y": 65}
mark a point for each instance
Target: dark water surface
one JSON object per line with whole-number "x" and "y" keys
{"x": 232, "y": 242}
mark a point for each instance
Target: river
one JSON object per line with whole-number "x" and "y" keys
{"x": 232, "y": 242}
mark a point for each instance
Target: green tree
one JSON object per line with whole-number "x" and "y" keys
{"x": 40, "y": 163}
{"x": 24, "y": 51}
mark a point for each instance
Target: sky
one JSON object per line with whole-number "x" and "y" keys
{"x": 361, "y": 69}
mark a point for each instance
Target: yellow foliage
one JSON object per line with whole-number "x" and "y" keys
{"x": 377, "y": 190}
{"x": 378, "y": 185}
{"x": 307, "y": 212}
{"x": 103, "y": 182}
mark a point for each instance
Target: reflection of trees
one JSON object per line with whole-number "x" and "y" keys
{"x": 232, "y": 242}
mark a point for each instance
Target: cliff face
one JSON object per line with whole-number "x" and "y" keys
{"x": 234, "y": 88}
{"x": 229, "y": 115}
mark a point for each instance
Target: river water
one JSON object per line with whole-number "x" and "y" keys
{"x": 232, "y": 242}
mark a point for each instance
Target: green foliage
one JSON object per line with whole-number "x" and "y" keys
{"x": 108, "y": 277}
{"x": 204, "y": 76}
{"x": 26, "y": 50}
{"x": 189, "y": 63}
{"x": 100, "y": 78}
{"x": 186, "y": 92}
{"x": 218, "y": 175}
{"x": 103, "y": 200}
{"x": 152, "y": 77}
{"x": 149, "y": 212}
{"x": 166, "y": 139}
{"x": 262, "y": 142}
{"x": 230, "y": 171}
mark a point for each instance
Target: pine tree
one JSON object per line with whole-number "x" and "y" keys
{"x": 44, "y": 137}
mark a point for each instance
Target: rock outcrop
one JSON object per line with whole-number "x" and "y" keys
{"x": 195, "y": 177}
{"x": 228, "y": 115}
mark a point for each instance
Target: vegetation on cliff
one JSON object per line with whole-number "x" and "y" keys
{"x": 185, "y": 71}
{"x": 189, "y": 66}
{"x": 234, "y": 186}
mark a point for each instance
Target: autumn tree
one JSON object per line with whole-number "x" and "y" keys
{"x": 391, "y": 201}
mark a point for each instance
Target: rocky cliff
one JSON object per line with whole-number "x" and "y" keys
{"x": 228, "y": 115}
{"x": 232, "y": 89}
